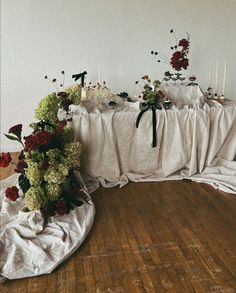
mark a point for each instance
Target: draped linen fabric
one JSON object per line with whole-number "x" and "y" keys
{"x": 193, "y": 142}
{"x": 28, "y": 247}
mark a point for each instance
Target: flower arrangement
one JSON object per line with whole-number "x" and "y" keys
{"x": 179, "y": 58}
{"x": 49, "y": 160}
{"x": 151, "y": 93}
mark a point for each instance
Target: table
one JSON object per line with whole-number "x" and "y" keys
{"x": 197, "y": 143}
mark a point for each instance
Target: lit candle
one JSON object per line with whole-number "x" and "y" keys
{"x": 210, "y": 73}
{"x": 224, "y": 78}
{"x": 217, "y": 70}
{"x": 99, "y": 73}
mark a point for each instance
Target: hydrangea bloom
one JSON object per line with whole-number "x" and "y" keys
{"x": 35, "y": 198}
{"x": 72, "y": 152}
{"x": 74, "y": 92}
{"x": 56, "y": 174}
{"x": 48, "y": 108}
{"x": 67, "y": 135}
{"x": 34, "y": 173}
{"x": 53, "y": 191}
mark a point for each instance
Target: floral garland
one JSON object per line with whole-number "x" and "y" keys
{"x": 49, "y": 160}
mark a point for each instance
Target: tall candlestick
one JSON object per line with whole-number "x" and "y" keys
{"x": 99, "y": 73}
{"x": 210, "y": 74}
{"x": 224, "y": 78}
{"x": 216, "y": 82}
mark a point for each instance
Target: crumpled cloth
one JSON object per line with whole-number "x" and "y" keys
{"x": 28, "y": 247}
{"x": 197, "y": 143}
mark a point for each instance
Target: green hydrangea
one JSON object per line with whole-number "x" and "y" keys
{"x": 35, "y": 198}
{"x": 54, "y": 156}
{"x": 48, "y": 108}
{"x": 33, "y": 156}
{"x": 56, "y": 174}
{"x": 67, "y": 135}
{"x": 52, "y": 191}
{"x": 34, "y": 173}
{"x": 72, "y": 152}
{"x": 74, "y": 92}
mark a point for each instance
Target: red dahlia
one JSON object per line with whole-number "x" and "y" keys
{"x": 5, "y": 159}
{"x": 12, "y": 193}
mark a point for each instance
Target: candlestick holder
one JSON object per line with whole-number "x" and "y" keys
{"x": 209, "y": 93}
{"x": 215, "y": 97}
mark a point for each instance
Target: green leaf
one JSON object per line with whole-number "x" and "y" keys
{"x": 12, "y": 137}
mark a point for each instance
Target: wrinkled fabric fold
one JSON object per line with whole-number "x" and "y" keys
{"x": 28, "y": 247}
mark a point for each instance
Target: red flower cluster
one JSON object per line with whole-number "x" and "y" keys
{"x": 184, "y": 43}
{"x": 43, "y": 137}
{"x": 5, "y": 159}
{"x": 30, "y": 142}
{"x": 12, "y": 193}
{"x": 179, "y": 60}
{"x": 40, "y": 138}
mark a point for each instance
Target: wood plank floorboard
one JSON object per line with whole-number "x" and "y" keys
{"x": 175, "y": 236}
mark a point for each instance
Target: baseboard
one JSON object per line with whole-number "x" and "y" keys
{"x": 10, "y": 148}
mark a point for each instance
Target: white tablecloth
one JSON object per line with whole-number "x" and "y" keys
{"x": 195, "y": 143}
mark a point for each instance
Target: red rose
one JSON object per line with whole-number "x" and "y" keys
{"x": 5, "y": 159}
{"x": 16, "y": 130}
{"x": 184, "y": 43}
{"x": 30, "y": 142}
{"x": 12, "y": 193}
{"x": 21, "y": 165}
{"x": 62, "y": 207}
{"x": 43, "y": 137}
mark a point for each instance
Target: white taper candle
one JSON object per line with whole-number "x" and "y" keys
{"x": 210, "y": 74}
{"x": 224, "y": 78}
{"x": 216, "y": 81}
{"x": 99, "y": 73}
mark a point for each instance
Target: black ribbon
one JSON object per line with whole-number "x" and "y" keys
{"x": 153, "y": 107}
{"x": 80, "y": 75}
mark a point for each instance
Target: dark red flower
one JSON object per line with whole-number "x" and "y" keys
{"x": 21, "y": 166}
{"x": 62, "y": 207}
{"x": 184, "y": 43}
{"x": 12, "y": 193}
{"x": 16, "y": 130}
{"x": 5, "y": 159}
{"x": 179, "y": 61}
{"x": 48, "y": 211}
{"x": 30, "y": 142}
{"x": 43, "y": 137}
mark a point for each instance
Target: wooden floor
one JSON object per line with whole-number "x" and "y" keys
{"x": 150, "y": 237}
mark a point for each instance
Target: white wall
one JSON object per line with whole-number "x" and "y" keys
{"x": 46, "y": 36}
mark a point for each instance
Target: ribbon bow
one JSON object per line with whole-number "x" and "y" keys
{"x": 153, "y": 107}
